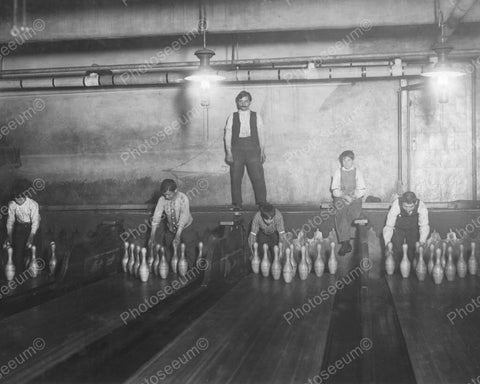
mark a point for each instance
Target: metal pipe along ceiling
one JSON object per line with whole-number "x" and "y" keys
{"x": 131, "y": 78}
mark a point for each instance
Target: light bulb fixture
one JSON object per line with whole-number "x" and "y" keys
{"x": 205, "y": 75}
{"x": 442, "y": 69}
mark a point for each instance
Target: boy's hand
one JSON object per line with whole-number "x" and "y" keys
{"x": 229, "y": 158}
{"x": 348, "y": 199}
{"x": 151, "y": 243}
{"x": 263, "y": 157}
{"x": 30, "y": 241}
{"x": 251, "y": 240}
{"x": 176, "y": 242}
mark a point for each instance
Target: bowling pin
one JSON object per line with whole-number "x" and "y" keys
{"x": 53, "y": 258}
{"x": 163, "y": 266}
{"x": 421, "y": 267}
{"x": 437, "y": 272}
{"x": 33, "y": 269}
{"x": 136, "y": 265}
{"x": 265, "y": 264}
{"x": 125, "y": 257}
{"x": 151, "y": 259}
{"x": 131, "y": 260}
{"x": 303, "y": 265}
{"x": 450, "y": 270}
{"x": 431, "y": 260}
{"x": 308, "y": 259}
{"x": 389, "y": 260}
{"x": 255, "y": 259}
{"x": 293, "y": 260}
{"x": 182, "y": 262}
{"x": 332, "y": 262}
{"x": 472, "y": 261}
{"x": 174, "y": 261}
{"x": 405, "y": 264}
{"x": 276, "y": 266}
{"x": 319, "y": 265}
{"x": 461, "y": 264}
{"x": 10, "y": 267}
{"x": 143, "y": 270}
{"x": 287, "y": 268}
{"x": 444, "y": 258}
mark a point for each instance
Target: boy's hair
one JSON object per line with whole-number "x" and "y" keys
{"x": 243, "y": 94}
{"x": 267, "y": 211}
{"x": 409, "y": 197}
{"x": 347, "y": 153}
{"x": 19, "y": 188}
{"x": 168, "y": 185}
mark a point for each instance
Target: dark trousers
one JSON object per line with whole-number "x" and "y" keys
{"x": 245, "y": 154}
{"x": 270, "y": 240}
{"x": 189, "y": 237}
{"x": 410, "y": 236}
{"x": 20, "y": 252}
{"x": 345, "y": 214}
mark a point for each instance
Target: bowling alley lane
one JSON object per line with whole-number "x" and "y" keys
{"x": 252, "y": 335}
{"x": 440, "y": 327}
{"x": 61, "y": 327}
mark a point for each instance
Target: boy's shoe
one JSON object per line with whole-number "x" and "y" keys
{"x": 345, "y": 248}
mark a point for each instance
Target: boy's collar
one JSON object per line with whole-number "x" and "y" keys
{"x": 347, "y": 170}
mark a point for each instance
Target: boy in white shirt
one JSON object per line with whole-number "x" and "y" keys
{"x": 348, "y": 188}
{"x": 22, "y": 225}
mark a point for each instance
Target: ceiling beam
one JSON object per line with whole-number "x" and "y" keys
{"x": 462, "y": 7}
{"x": 108, "y": 19}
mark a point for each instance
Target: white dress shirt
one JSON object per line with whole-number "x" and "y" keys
{"x": 392, "y": 219}
{"x": 28, "y": 212}
{"x": 360, "y": 188}
{"x": 244, "y": 117}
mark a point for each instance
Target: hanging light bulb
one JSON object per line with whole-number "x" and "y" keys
{"x": 442, "y": 71}
{"x": 205, "y": 75}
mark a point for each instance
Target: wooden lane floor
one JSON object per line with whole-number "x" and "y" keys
{"x": 440, "y": 324}
{"x": 262, "y": 331}
{"x": 39, "y": 338}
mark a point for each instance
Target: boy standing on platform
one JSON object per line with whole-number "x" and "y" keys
{"x": 173, "y": 207}
{"x": 348, "y": 188}
{"x": 22, "y": 225}
{"x": 267, "y": 227}
{"x": 407, "y": 221}
{"x": 245, "y": 147}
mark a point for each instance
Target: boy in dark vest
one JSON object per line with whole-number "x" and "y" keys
{"x": 348, "y": 188}
{"x": 407, "y": 221}
{"x": 245, "y": 147}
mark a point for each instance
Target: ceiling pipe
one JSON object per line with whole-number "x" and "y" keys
{"x": 349, "y": 59}
{"x": 459, "y": 11}
{"x": 397, "y": 70}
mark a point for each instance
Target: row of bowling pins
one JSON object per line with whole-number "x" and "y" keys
{"x": 31, "y": 264}
{"x": 136, "y": 262}
{"x": 290, "y": 265}
{"x": 440, "y": 263}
